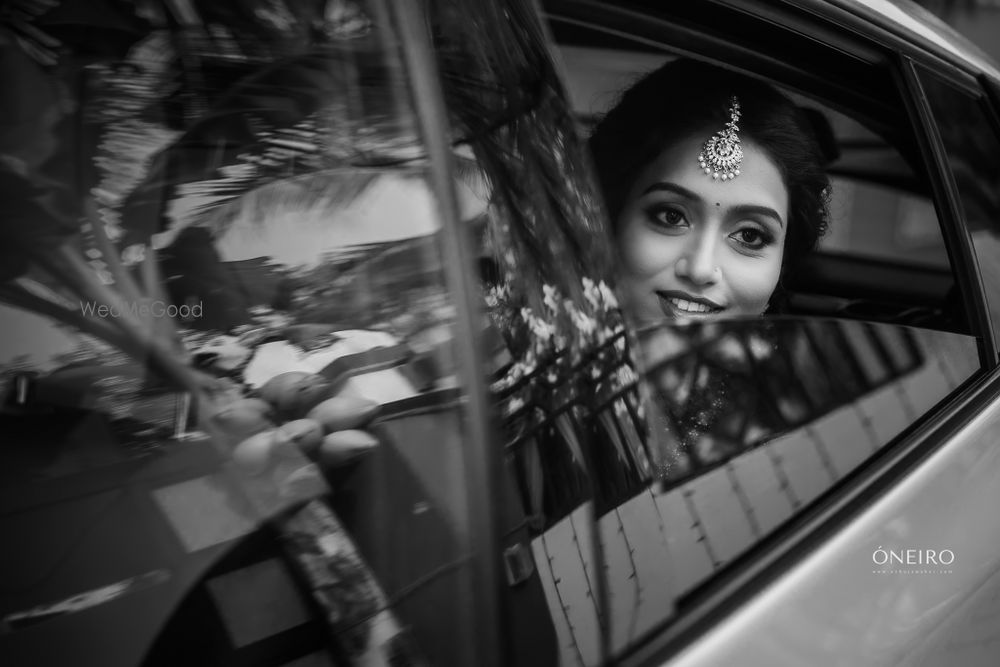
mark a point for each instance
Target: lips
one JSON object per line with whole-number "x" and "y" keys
{"x": 684, "y": 305}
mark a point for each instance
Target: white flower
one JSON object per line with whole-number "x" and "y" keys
{"x": 515, "y": 404}
{"x": 760, "y": 349}
{"x": 584, "y": 324}
{"x": 542, "y": 329}
{"x": 729, "y": 349}
{"x": 519, "y": 370}
{"x": 551, "y": 298}
{"x": 609, "y": 297}
{"x": 592, "y": 293}
{"x": 134, "y": 254}
{"x": 627, "y": 377}
{"x": 497, "y": 294}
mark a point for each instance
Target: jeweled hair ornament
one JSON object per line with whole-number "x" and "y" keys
{"x": 722, "y": 155}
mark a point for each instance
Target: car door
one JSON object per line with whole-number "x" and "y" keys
{"x": 270, "y": 221}
{"x": 776, "y": 542}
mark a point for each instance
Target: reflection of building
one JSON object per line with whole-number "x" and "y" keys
{"x": 661, "y": 541}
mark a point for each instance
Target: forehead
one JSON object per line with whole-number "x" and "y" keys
{"x": 759, "y": 183}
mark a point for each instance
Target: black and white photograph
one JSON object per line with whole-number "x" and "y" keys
{"x": 569, "y": 333}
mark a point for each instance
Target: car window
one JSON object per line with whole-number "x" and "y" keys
{"x": 233, "y": 414}
{"x": 883, "y": 257}
{"x": 879, "y": 208}
{"x": 762, "y": 418}
{"x": 752, "y": 422}
{"x": 968, "y": 130}
{"x": 876, "y": 221}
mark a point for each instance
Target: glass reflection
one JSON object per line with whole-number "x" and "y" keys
{"x": 750, "y": 421}
{"x": 969, "y": 135}
{"x": 225, "y": 293}
{"x": 781, "y": 409}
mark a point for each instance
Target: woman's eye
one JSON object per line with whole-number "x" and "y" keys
{"x": 668, "y": 217}
{"x": 751, "y": 238}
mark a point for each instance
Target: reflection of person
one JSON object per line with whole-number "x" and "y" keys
{"x": 714, "y": 184}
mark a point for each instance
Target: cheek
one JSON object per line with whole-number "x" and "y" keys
{"x": 642, "y": 252}
{"x": 752, "y": 283}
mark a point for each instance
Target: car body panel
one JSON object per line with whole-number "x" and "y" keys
{"x": 837, "y": 606}
{"x": 914, "y": 25}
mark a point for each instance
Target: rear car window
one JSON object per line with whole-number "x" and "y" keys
{"x": 752, "y": 422}
{"x": 968, "y": 126}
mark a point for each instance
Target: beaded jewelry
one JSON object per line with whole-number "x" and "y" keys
{"x": 722, "y": 155}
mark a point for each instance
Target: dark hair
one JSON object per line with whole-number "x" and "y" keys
{"x": 686, "y": 97}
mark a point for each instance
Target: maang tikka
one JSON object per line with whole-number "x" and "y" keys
{"x": 722, "y": 155}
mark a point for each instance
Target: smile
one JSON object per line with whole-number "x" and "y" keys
{"x": 682, "y": 304}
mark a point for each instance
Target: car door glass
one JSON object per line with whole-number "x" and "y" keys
{"x": 878, "y": 209}
{"x": 261, "y": 222}
{"x": 858, "y": 227}
{"x": 753, "y": 421}
{"x": 883, "y": 257}
{"x": 749, "y": 423}
{"x": 972, "y": 146}
{"x": 575, "y": 438}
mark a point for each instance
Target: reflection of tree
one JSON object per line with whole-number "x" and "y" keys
{"x": 198, "y": 104}
{"x": 42, "y": 175}
{"x": 725, "y": 388}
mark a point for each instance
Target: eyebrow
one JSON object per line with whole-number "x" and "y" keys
{"x": 742, "y": 209}
{"x": 671, "y": 187}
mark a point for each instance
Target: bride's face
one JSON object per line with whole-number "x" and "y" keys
{"x": 695, "y": 248}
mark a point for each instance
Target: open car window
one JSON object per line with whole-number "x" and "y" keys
{"x": 751, "y": 423}
{"x": 968, "y": 126}
{"x": 884, "y": 256}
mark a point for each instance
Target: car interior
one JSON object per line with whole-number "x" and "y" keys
{"x": 884, "y": 258}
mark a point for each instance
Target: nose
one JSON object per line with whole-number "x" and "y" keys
{"x": 698, "y": 265}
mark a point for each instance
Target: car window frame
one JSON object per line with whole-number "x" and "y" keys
{"x": 991, "y": 93}
{"x": 947, "y": 202}
{"x": 740, "y": 581}
{"x": 483, "y": 459}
